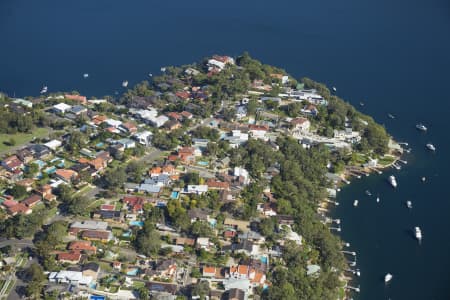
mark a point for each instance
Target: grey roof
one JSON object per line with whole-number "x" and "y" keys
{"x": 92, "y": 225}
{"x": 149, "y": 188}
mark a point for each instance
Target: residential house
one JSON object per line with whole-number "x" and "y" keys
{"x": 300, "y": 124}
{"x": 66, "y": 175}
{"x": 134, "y": 204}
{"x": 187, "y": 155}
{"x": 78, "y": 98}
{"x": 217, "y": 185}
{"x": 78, "y": 110}
{"x": 187, "y": 115}
{"x": 109, "y": 215}
{"x": 91, "y": 270}
{"x": 165, "y": 269}
{"x": 32, "y": 200}
{"x": 83, "y": 246}
{"x": 208, "y": 271}
{"x": 70, "y": 277}
{"x": 198, "y": 214}
{"x": 204, "y": 243}
{"x": 72, "y": 257}
{"x": 258, "y": 131}
{"x": 183, "y": 241}
{"x": 172, "y": 125}
{"x": 53, "y": 145}
{"x": 25, "y": 155}
{"x": 127, "y": 143}
{"x": 252, "y": 236}
{"x": 61, "y": 108}
{"x": 144, "y": 137}
{"x": 19, "y": 208}
{"x": 12, "y": 163}
{"x": 129, "y": 127}
{"x": 95, "y": 235}
{"x": 247, "y": 247}
{"x": 77, "y": 227}
{"x": 39, "y": 151}
{"x": 310, "y": 109}
{"x": 196, "y": 189}
{"x": 237, "y": 224}
{"x": 46, "y": 192}
{"x": 27, "y": 183}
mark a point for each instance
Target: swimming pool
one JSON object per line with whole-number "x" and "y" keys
{"x": 264, "y": 259}
{"x": 50, "y": 170}
{"x": 137, "y": 223}
{"x": 133, "y": 272}
{"x": 127, "y": 233}
{"x": 212, "y": 222}
{"x": 203, "y": 163}
{"x": 99, "y": 145}
{"x": 174, "y": 195}
{"x": 40, "y": 163}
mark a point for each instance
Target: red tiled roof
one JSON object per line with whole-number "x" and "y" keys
{"x": 32, "y": 200}
{"x": 70, "y": 256}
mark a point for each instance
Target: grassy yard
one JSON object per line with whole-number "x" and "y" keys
{"x": 20, "y": 138}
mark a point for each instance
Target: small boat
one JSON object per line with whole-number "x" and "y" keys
{"x": 361, "y": 103}
{"x": 391, "y": 116}
{"x": 408, "y": 150}
{"x": 388, "y": 277}
{"x": 418, "y": 233}
{"x": 431, "y": 147}
{"x": 378, "y": 199}
{"x": 334, "y": 89}
{"x": 393, "y": 181}
{"x": 396, "y": 166}
{"x": 423, "y": 179}
{"x": 358, "y": 273}
{"x": 125, "y": 83}
{"x": 409, "y": 204}
{"x": 85, "y": 75}
{"x": 368, "y": 193}
{"x": 355, "y": 203}
{"x": 421, "y": 127}
{"x": 44, "y": 90}
{"x": 150, "y": 75}
{"x": 163, "y": 69}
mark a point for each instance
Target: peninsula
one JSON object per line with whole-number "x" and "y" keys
{"x": 208, "y": 181}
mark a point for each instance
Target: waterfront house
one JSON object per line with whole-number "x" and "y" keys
{"x": 61, "y": 108}
{"x": 77, "y": 98}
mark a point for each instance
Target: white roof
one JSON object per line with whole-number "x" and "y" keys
{"x": 202, "y": 188}
{"x": 62, "y": 106}
{"x": 53, "y": 144}
{"x": 112, "y": 122}
{"x": 94, "y": 225}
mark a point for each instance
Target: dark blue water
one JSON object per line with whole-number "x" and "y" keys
{"x": 393, "y": 55}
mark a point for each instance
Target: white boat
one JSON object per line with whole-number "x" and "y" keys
{"x": 378, "y": 199}
{"x": 391, "y": 116}
{"x": 368, "y": 193}
{"x": 423, "y": 179}
{"x": 44, "y": 90}
{"x": 396, "y": 166}
{"x": 150, "y": 75}
{"x": 431, "y": 147}
{"x": 409, "y": 204}
{"x": 358, "y": 273}
{"x": 334, "y": 89}
{"x": 421, "y": 127}
{"x": 418, "y": 233}
{"x": 361, "y": 103}
{"x": 388, "y": 277}
{"x": 125, "y": 83}
{"x": 163, "y": 69}
{"x": 355, "y": 203}
{"x": 85, "y": 75}
{"x": 393, "y": 181}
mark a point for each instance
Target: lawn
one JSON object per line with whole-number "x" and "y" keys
{"x": 21, "y": 138}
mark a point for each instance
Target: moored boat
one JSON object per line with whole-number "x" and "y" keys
{"x": 388, "y": 277}
{"x": 392, "y": 181}
{"x": 431, "y": 147}
{"x": 125, "y": 83}
{"x": 421, "y": 127}
{"x": 418, "y": 233}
